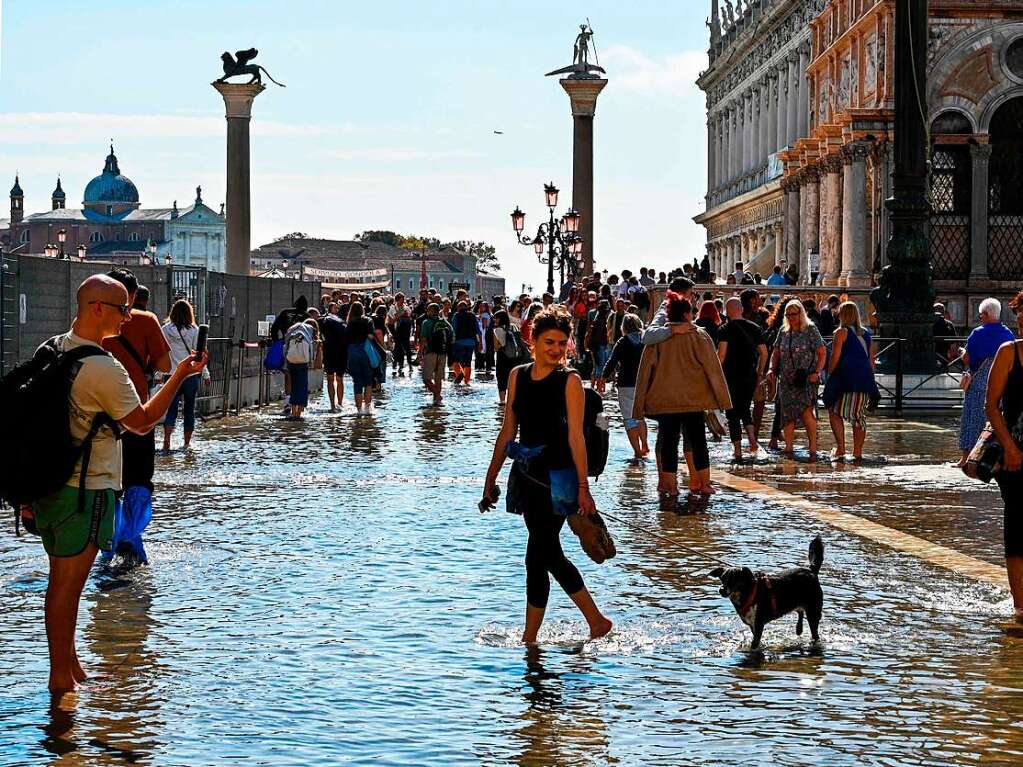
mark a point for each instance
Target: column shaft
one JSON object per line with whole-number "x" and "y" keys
{"x": 811, "y": 221}
{"x": 783, "y": 106}
{"x": 792, "y": 120}
{"x": 803, "y": 125}
{"x": 831, "y": 220}
{"x": 582, "y": 184}
{"x": 981, "y": 156}
{"x": 772, "y": 114}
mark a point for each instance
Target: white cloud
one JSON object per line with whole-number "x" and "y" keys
{"x": 673, "y": 74}
{"x": 87, "y": 127}
{"x": 397, "y": 154}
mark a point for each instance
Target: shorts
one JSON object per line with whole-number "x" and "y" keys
{"x": 434, "y": 366}
{"x": 65, "y": 531}
{"x": 852, "y": 406}
{"x": 333, "y": 366}
{"x": 463, "y": 351}
{"x": 626, "y": 399}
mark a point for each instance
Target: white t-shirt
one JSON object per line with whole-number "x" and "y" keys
{"x": 178, "y": 349}
{"x": 101, "y": 386}
{"x": 516, "y": 321}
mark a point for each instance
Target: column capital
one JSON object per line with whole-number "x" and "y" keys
{"x": 856, "y": 151}
{"x": 831, "y": 164}
{"x": 582, "y": 94}
{"x": 238, "y": 98}
{"x": 980, "y": 152}
{"x": 812, "y": 173}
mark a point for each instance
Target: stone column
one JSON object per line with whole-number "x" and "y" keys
{"x": 831, "y": 219}
{"x": 855, "y": 269}
{"x": 811, "y": 221}
{"x": 803, "y": 124}
{"x": 793, "y": 118}
{"x": 979, "y": 211}
{"x": 755, "y": 138}
{"x": 582, "y": 94}
{"x": 733, "y": 143}
{"x": 238, "y": 110}
{"x": 791, "y": 212}
{"x": 765, "y": 119}
{"x": 772, "y": 113}
{"x": 711, "y": 159}
{"x": 746, "y": 109}
{"x": 783, "y": 105}
{"x": 884, "y": 160}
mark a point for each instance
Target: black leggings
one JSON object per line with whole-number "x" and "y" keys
{"x": 670, "y": 428}
{"x": 544, "y": 556}
{"x": 1011, "y": 485}
{"x": 739, "y": 415}
{"x": 402, "y": 351}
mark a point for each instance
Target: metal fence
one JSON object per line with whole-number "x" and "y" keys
{"x": 37, "y": 299}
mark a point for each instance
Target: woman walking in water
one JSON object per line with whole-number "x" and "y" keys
{"x": 546, "y": 413}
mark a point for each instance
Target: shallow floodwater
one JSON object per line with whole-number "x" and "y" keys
{"x": 326, "y": 592}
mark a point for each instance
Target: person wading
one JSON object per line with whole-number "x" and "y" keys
{"x": 78, "y": 520}
{"x": 547, "y": 404}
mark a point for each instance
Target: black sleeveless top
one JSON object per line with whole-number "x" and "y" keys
{"x": 1012, "y": 398}
{"x": 542, "y": 412}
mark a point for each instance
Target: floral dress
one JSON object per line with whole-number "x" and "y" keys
{"x": 798, "y": 351}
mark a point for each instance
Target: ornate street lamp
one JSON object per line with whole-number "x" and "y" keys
{"x": 62, "y": 238}
{"x": 560, "y": 237}
{"x": 168, "y": 260}
{"x": 81, "y": 252}
{"x": 152, "y": 251}
{"x": 50, "y": 250}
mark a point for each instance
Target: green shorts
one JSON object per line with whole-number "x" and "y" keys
{"x": 66, "y": 531}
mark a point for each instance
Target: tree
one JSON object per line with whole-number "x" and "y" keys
{"x": 380, "y": 235}
{"x": 292, "y": 236}
{"x": 485, "y": 255}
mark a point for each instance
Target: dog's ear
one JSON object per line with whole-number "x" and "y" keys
{"x": 717, "y": 572}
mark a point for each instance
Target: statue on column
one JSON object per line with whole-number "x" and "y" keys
{"x": 581, "y": 68}
{"x": 238, "y": 65}
{"x": 729, "y": 13}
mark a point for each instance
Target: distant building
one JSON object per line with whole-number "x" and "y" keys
{"x": 113, "y": 227}
{"x": 374, "y": 263}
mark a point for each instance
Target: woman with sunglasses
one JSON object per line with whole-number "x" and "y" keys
{"x": 796, "y": 365}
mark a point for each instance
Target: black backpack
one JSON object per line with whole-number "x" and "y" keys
{"x": 595, "y": 433}
{"x": 38, "y": 455}
{"x": 514, "y": 347}
{"x": 441, "y": 337}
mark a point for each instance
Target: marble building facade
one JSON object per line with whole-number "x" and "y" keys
{"x": 819, "y": 193}
{"x": 758, "y": 105}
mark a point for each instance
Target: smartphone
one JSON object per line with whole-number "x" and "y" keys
{"x": 489, "y": 503}
{"x": 200, "y": 341}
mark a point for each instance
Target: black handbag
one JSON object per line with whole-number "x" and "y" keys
{"x": 800, "y": 376}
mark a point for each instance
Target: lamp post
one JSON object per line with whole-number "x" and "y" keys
{"x": 151, "y": 247}
{"x": 561, "y": 238}
{"x": 62, "y": 238}
{"x": 81, "y": 252}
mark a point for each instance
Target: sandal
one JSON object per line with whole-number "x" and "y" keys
{"x": 667, "y": 501}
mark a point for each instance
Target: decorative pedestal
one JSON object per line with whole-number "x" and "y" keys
{"x": 238, "y": 110}
{"x": 583, "y": 92}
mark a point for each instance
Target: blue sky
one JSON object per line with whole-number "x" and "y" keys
{"x": 388, "y": 116}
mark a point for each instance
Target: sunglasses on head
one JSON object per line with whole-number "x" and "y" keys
{"x": 124, "y": 309}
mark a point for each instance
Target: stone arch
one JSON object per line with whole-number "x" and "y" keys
{"x": 996, "y": 104}
{"x": 943, "y": 120}
{"x": 969, "y": 73}
{"x": 1005, "y": 190}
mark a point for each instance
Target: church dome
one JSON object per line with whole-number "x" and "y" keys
{"x": 110, "y": 186}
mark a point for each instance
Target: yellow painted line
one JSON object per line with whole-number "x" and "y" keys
{"x": 942, "y": 556}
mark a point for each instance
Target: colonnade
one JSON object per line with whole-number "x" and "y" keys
{"x": 826, "y": 212}
{"x": 763, "y": 118}
{"x": 725, "y": 252}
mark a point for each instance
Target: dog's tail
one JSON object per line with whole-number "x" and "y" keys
{"x": 816, "y": 554}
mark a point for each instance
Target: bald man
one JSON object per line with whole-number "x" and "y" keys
{"x": 78, "y": 520}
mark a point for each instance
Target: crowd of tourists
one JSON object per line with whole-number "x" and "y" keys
{"x": 695, "y": 363}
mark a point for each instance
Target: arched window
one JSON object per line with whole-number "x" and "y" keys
{"x": 442, "y": 286}
{"x": 25, "y": 237}
{"x": 1005, "y": 193}
{"x": 96, "y": 237}
{"x": 397, "y": 283}
{"x": 951, "y": 189}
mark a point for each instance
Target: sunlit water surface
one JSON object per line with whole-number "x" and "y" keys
{"x": 326, "y": 592}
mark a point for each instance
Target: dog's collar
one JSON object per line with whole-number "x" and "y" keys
{"x": 752, "y": 598}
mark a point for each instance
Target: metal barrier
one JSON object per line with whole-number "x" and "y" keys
{"x": 214, "y": 395}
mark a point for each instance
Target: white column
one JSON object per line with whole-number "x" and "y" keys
{"x": 755, "y": 126}
{"x": 792, "y": 120}
{"x": 783, "y": 105}
{"x": 855, "y": 271}
{"x": 765, "y": 112}
{"x": 772, "y": 113}
{"x": 803, "y": 125}
{"x": 711, "y": 157}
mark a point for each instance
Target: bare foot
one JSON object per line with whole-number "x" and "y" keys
{"x": 601, "y": 628}
{"x": 78, "y": 672}
{"x": 61, "y": 684}
{"x": 707, "y": 490}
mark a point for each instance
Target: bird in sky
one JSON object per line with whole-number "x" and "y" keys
{"x": 499, "y": 133}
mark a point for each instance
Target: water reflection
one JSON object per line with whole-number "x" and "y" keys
{"x": 432, "y": 425}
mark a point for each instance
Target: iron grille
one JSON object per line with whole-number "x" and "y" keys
{"x": 1005, "y": 222}
{"x": 188, "y": 282}
{"x": 951, "y": 186}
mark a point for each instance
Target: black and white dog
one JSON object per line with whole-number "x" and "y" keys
{"x": 759, "y": 598}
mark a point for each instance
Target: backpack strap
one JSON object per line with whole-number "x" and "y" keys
{"x": 131, "y": 352}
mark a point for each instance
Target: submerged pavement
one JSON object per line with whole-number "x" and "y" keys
{"x": 326, "y": 593}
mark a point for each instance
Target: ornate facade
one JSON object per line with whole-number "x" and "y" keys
{"x": 758, "y": 104}
{"x": 819, "y": 193}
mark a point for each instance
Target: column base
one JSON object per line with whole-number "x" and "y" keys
{"x": 858, "y": 280}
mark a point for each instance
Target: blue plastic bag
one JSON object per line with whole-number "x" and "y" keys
{"x": 132, "y": 515}
{"x": 372, "y": 353}
{"x": 274, "y": 359}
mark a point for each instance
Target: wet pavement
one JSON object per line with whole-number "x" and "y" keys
{"x": 327, "y": 593}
